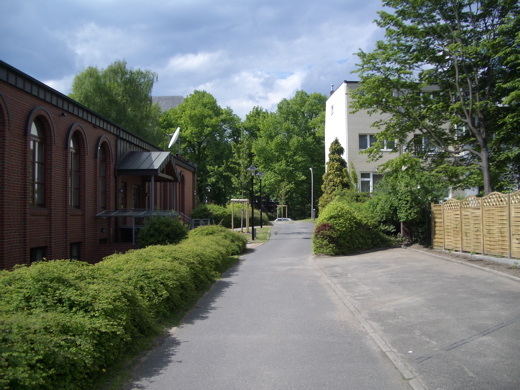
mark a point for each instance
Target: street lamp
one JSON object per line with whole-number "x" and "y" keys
{"x": 260, "y": 176}
{"x": 208, "y": 188}
{"x": 312, "y": 193}
{"x": 252, "y": 169}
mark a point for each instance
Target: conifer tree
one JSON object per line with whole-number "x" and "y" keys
{"x": 334, "y": 178}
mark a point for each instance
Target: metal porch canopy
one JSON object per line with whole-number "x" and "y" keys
{"x": 152, "y": 164}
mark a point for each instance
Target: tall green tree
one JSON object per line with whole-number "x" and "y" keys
{"x": 123, "y": 96}
{"x": 401, "y": 199}
{"x": 336, "y": 176}
{"x": 206, "y": 131}
{"x": 468, "y": 51}
{"x": 288, "y": 143}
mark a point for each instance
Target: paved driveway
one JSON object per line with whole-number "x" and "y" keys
{"x": 446, "y": 324}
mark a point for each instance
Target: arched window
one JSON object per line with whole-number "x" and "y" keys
{"x": 102, "y": 177}
{"x": 74, "y": 171}
{"x": 37, "y": 169}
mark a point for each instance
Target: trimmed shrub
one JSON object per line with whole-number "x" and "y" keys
{"x": 236, "y": 243}
{"x": 341, "y": 229}
{"x": 64, "y": 323}
{"x": 162, "y": 230}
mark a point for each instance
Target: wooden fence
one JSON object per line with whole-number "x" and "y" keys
{"x": 488, "y": 225}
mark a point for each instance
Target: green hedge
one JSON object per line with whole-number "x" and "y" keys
{"x": 222, "y": 215}
{"x": 64, "y": 323}
{"x": 344, "y": 227}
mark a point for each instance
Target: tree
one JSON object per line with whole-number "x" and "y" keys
{"x": 121, "y": 95}
{"x": 289, "y": 142}
{"x": 465, "y": 55}
{"x": 403, "y": 196}
{"x": 205, "y": 141}
{"x": 336, "y": 176}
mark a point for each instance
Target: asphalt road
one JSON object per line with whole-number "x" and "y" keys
{"x": 274, "y": 321}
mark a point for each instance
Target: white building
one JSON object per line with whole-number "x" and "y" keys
{"x": 355, "y": 133}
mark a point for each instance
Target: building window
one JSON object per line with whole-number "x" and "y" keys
{"x": 122, "y": 192}
{"x": 75, "y": 248}
{"x": 74, "y": 172}
{"x": 37, "y": 170}
{"x": 368, "y": 181}
{"x": 388, "y": 146}
{"x": 136, "y": 196}
{"x": 102, "y": 178}
{"x": 368, "y": 140}
{"x": 424, "y": 145}
{"x": 38, "y": 254}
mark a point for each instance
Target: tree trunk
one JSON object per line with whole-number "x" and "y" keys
{"x": 486, "y": 171}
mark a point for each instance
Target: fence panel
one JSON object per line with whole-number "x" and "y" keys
{"x": 437, "y": 226}
{"x": 471, "y": 214}
{"x": 515, "y": 224}
{"x": 495, "y": 220}
{"x": 452, "y": 239}
{"x": 489, "y": 225}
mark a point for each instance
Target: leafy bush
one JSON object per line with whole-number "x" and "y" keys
{"x": 345, "y": 228}
{"x": 222, "y": 215}
{"x": 162, "y": 230}
{"x": 63, "y": 323}
{"x": 236, "y": 243}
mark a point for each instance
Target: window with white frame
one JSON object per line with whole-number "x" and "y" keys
{"x": 368, "y": 140}
{"x": 424, "y": 145}
{"x": 368, "y": 181}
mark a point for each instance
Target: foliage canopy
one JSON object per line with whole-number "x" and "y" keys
{"x": 448, "y": 71}
{"x": 123, "y": 96}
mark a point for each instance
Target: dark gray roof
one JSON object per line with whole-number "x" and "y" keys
{"x": 167, "y": 102}
{"x": 145, "y": 164}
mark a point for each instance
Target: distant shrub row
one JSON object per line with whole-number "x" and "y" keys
{"x": 64, "y": 323}
{"x": 347, "y": 226}
{"x": 222, "y": 215}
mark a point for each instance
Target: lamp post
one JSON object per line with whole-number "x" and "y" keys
{"x": 312, "y": 193}
{"x": 208, "y": 188}
{"x": 261, "y": 176}
{"x": 252, "y": 170}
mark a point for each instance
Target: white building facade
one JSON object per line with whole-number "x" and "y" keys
{"x": 355, "y": 133}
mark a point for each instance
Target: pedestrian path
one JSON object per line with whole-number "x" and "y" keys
{"x": 272, "y": 322}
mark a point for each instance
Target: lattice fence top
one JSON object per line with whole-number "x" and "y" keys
{"x": 451, "y": 204}
{"x": 515, "y": 198}
{"x": 495, "y": 199}
{"x": 471, "y": 201}
{"x": 488, "y": 225}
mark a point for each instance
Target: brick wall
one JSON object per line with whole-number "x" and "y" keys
{"x": 57, "y": 225}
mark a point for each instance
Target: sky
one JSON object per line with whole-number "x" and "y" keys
{"x": 245, "y": 53}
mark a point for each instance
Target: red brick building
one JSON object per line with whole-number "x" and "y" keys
{"x": 72, "y": 183}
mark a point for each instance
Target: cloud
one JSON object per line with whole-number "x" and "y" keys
{"x": 245, "y": 53}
